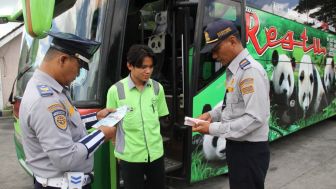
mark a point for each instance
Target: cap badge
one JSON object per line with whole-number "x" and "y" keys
{"x": 207, "y": 37}
{"x": 224, "y": 32}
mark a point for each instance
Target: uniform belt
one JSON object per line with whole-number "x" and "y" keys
{"x": 59, "y": 182}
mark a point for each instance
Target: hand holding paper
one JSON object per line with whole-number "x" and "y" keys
{"x": 192, "y": 121}
{"x": 104, "y": 112}
{"x": 109, "y": 132}
{"x": 198, "y": 125}
{"x": 113, "y": 118}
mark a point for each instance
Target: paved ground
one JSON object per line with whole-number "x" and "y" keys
{"x": 304, "y": 160}
{"x": 12, "y": 176}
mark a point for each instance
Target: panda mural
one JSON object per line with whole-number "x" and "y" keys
{"x": 283, "y": 91}
{"x": 312, "y": 96}
{"x": 329, "y": 78}
{"x": 214, "y": 147}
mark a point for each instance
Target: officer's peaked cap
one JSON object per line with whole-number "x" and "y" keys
{"x": 71, "y": 44}
{"x": 216, "y": 32}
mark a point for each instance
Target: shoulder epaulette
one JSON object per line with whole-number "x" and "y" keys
{"x": 245, "y": 64}
{"x": 44, "y": 90}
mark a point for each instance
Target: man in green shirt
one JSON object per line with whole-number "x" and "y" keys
{"x": 139, "y": 143}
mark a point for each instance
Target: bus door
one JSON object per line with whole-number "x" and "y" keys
{"x": 166, "y": 27}
{"x": 208, "y": 87}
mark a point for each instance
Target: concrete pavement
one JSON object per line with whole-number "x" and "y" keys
{"x": 304, "y": 160}
{"x": 12, "y": 175}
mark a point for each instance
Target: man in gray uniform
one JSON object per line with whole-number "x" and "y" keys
{"x": 243, "y": 117}
{"x": 57, "y": 147}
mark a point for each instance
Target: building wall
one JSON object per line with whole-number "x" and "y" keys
{"x": 9, "y": 60}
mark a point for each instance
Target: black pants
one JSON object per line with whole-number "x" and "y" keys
{"x": 133, "y": 174}
{"x": 37, "y": 185}
{"x": 248, "y": 163}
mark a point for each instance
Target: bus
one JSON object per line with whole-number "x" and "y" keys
{"x": 299, "y": 60}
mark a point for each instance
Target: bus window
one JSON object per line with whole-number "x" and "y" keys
{"x": 147, "y": 25}
{"x": 33, "y": 50}
{"x": 215, "y": 10}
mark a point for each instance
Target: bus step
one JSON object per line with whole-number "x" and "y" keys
{"x": 171, "y": 165}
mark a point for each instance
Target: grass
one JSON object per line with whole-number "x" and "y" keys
{"x": 277, "y": 132}
{"x": 201, "y": 169}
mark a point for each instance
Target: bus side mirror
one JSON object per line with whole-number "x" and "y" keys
{"x": 38, "y": 15}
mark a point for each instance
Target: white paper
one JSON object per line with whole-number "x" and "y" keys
{"x": 192, "y": 121}
{"x": 113, "y": 118}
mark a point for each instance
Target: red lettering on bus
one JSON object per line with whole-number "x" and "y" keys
{"x": 287, "y": 41}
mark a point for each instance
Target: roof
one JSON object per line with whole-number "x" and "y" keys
{"x": 9, "y": 31}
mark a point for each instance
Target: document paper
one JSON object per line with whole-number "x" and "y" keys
{"x": 113, "y": 118}
{"x": 192, "y": 121}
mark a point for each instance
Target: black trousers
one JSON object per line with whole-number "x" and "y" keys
{"x": 37, "y": 185}
{"x": 133, "y": 174}
{"x": 248, "y": 163}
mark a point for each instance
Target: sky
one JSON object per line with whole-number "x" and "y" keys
{"x": 6, "y": 8}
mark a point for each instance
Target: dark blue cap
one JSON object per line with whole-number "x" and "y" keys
{"x": 71, "y": 44}
{"x": 216, "y": 32}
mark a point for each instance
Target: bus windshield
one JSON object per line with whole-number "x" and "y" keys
{"x": 222, "y": 9}
{"x": 216, "y": 10}
{"x": 85, "y": 19}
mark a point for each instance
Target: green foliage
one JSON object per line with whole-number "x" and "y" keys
{"x": 275, "y": 130}
{"x": 201, "y": 170}
{"x": 293, "y": 128}
{"x": 330, "y": 110}
{"x": 273, "y": 135}
{"x": 269, "y": 69}
{"x": 325, "y": 7}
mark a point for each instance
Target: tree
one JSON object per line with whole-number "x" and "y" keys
{"x": 326, "y": 12}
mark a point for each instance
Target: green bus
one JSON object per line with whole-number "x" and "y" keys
{"x": 298, "y": 58}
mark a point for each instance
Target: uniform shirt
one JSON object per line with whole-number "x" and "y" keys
{"x": 138, "y": 135}
{"x": 51, "y": 128}
{"x": 246, "y": 114}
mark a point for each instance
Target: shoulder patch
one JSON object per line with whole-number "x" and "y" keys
{"x": 44, "y": 90}
{"x": 60, "y": 118}
{"x": 55, "y": 106}
{"x": 244, "y": 64}
{"x": 247, "y": 86}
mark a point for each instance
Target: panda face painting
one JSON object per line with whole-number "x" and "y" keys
{"x": 329, "y": 74}
{"x": 214, "y": 147}
{"x": 283, "y": 76}
{"x": 306, "y": 83}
